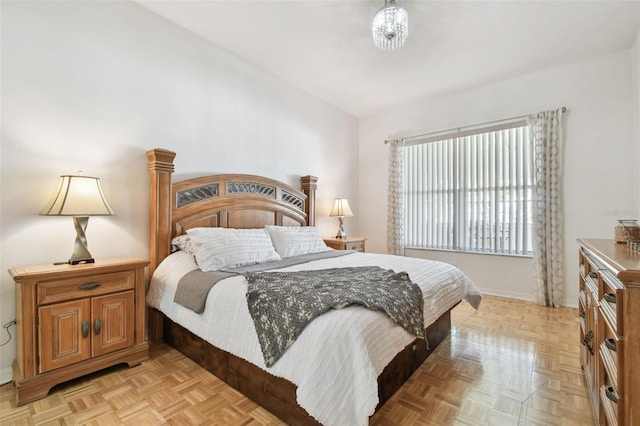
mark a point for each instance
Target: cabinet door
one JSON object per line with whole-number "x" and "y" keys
{"x": 64, "y": 334}
{"x": 113, "y": 325}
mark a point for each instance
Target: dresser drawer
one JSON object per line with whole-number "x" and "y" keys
{"x": 582, "y": 312}
{"x": 581, "y": 263}
{"x": 86, "y": 286}
{"x": 591, "y": 282}
{"x": 611, "y": 397}
{"x": 609, "y": 403}
{"x": 611, "y": 349}
{"x": 611, "y": 294}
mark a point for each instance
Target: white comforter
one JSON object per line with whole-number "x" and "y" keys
{"x": 337, "y": 359}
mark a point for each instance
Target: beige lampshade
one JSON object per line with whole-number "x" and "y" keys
{"x": 341, "y": 208}
{"x": 78, "y": 196}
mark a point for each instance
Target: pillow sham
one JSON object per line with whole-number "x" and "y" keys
{"x": 183, "y": 243}
{"x": 217, "y": 248}
{"x": 296, "y": 240}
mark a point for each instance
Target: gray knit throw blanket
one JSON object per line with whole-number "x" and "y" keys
{"x": 283, "y": 303}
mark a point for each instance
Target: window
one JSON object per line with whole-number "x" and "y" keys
{"x": 471, "y": 191}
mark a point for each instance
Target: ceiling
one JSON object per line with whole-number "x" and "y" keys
{"x": 325, "y": 47}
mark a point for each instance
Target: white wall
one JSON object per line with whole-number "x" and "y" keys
{"x": 93, "y": 85}
{"x": 600, "y": 158}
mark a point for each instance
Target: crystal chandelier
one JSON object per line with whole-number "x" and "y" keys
{"x": 390, "y": 26}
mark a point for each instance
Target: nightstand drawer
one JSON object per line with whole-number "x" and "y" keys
{"x": 349, "y": 243}
{"x": 87, "y": 286}
{"x": 354, "y": 245}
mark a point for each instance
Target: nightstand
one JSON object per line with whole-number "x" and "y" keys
{"x": 76, "y": 319}
{"x": 349, "y": 243}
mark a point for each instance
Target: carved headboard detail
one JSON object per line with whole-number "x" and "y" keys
{"x": 226, "y": 200}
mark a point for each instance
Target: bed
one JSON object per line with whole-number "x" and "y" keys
{"x": 345, "y": 364}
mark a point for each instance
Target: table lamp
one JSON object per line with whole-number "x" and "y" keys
{"x": 341, "y": 210}
{"x": 80, "y": 197}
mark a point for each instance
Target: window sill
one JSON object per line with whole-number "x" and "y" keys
{"x": 530, "y": 256}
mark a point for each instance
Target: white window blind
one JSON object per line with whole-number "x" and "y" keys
{"x": 471, "y": 191}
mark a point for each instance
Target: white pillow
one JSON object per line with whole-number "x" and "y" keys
{"x": 296, "y": 240}
{"x": 217, "y": 248}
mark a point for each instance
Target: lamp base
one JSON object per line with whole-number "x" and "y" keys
{"x": 80, "y": 250}
{"x": 341, "y": 234}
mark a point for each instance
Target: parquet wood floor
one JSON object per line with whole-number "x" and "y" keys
{"x": 510, "y": 363}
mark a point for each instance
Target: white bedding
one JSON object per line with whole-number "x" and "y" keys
{"x": 321, "y": 362}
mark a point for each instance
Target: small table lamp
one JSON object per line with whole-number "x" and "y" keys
{"x": 80, "y": 197}
{"x": 341, "y": 210}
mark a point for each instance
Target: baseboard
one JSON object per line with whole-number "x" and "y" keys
{"x": 507, "y": 294}
{"x": 521, "y": 296}
{"x": 6, "y": 375}
{"x": 570, "y": 303}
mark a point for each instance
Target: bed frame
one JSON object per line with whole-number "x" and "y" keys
{"x": 248, "y": 201}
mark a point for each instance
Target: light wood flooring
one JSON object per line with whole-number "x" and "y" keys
{"x": 510, "y": 363}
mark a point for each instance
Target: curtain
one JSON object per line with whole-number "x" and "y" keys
{"x": 546, "y": 140}
{"x": 395, "y": 202}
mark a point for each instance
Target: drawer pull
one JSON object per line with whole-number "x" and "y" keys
{"x": 610, "y": 343}
{"x": 610, "y": 297}
{"x": 89, "y": 286}
{"x": 593, "y": 275}
{"x": 610, "y": 393}
{"x": 85, "y": 329}
{"x": 582, "y": 314}
{"x": 586, "y": 341}
{"x": 97, "y": 326}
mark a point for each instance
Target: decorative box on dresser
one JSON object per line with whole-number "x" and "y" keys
{"x": 349, "y": 243}
{"x": 76, "y": 319}
{"x": 609, "y": 309}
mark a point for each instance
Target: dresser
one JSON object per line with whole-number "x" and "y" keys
{"x": 76, "y": 319}
{"x": 349, "y": 243}
{"x": 609, "y": 309}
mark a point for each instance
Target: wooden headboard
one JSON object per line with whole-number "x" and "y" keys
{"x": 226, "y": 200}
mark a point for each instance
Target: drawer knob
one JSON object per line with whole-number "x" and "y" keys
{"x": 586, "y": 341}
{"x": 85, "y": 329}
{"x": 587, "y": 337}
{"x": 89, "y": 286}
{"x": 610, "y": 393}
{"x": 97, "y": 326}
{"x": 610, "y": 343}
{"x": 593, "y": 275}
{"x": 610, "y": 297}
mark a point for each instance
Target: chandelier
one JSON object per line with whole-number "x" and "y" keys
{"x": 390, "y": 26}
